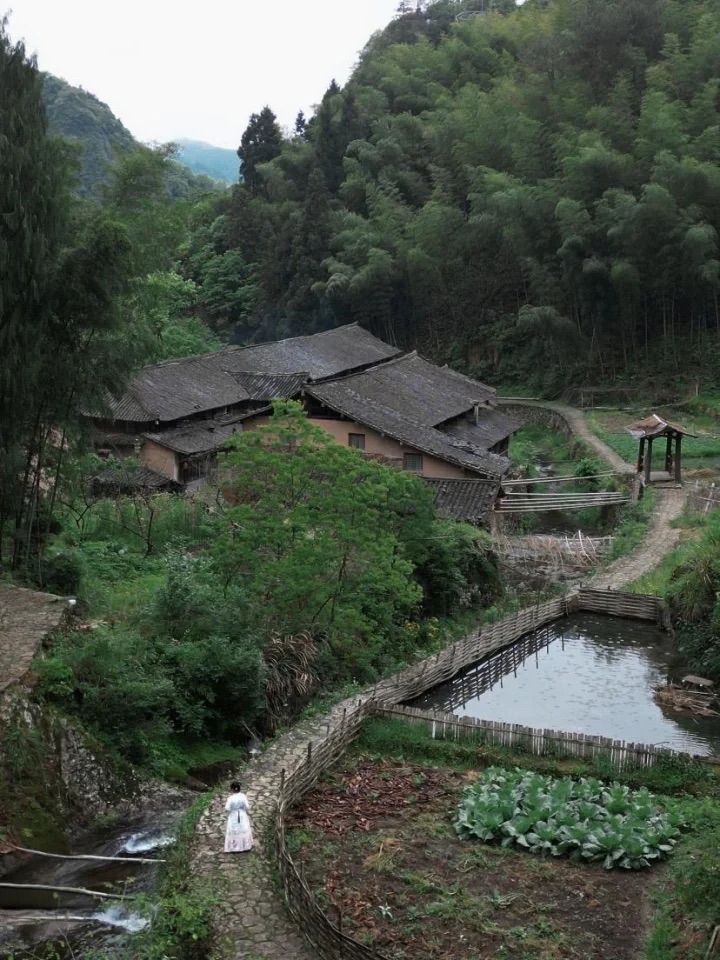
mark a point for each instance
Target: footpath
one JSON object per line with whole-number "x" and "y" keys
{"x": 251, "y": 922}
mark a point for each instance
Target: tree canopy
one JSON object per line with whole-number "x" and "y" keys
{"x": 527, "y": 191}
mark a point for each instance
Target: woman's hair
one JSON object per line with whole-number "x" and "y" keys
{"x": 235, "y": 786}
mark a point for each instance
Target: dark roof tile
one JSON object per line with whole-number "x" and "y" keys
{"x": 199, "y": 436}
{"x": 469, "y": 500}
{"x": 181, "y": 388}
{"x": 492, "y": 427}
{"x": 418, "y": 389}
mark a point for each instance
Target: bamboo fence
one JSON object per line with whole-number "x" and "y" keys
{"x": 533, "y": 740}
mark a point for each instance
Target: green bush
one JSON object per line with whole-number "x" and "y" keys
{"x": 584, "y": 819}
{"x": 458, "y": 571}
{"x": 62, "y": 573}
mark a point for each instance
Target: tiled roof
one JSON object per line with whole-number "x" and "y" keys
{"x": 182, "y": 388}
{"x": 655, "y": 426}
{"x": 417, "y": 389}
{"x": 492, "y": 427}
{"x": 339, "y": 396}
{"x": 469, "y": 500}
{"x": 198, "y": 436}
{"x": 136, "y": 478}
{"x": 323, "y": 355}
{"x": 268, "y": 386}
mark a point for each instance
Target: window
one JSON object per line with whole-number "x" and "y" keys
{"x": 413, "y": 461}
{"x": 356, "y": 440}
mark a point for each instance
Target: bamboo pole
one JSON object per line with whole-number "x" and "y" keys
{"x": 82, "y": 890}
{"x": 84, "y": 856}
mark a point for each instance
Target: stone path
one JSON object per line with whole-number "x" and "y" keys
{"x": 26, "y": 617}
{"x": 660, "y": 539}
{"x": 252, "y": 922}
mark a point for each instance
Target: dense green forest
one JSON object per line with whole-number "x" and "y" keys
{"x": 531, "y": 193}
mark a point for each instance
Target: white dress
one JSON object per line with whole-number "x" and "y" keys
{"x": 238, "y": 835}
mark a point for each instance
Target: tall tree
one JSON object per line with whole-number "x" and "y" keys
{"x": 260, "y": 143}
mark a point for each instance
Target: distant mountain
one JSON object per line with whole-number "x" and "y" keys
{"x": 220, "y": 163}
{"x": 78, "y": 115}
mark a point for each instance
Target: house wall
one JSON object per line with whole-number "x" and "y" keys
{"x": 159, "y": 458}
{"x": 376, "y": 444}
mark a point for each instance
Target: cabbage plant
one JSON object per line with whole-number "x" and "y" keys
{"x": 584, "y": 819}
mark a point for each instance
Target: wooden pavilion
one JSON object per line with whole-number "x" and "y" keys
{"x": 653, "y": 428}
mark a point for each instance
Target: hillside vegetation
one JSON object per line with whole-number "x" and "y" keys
{"x": 102, "y": 139}
{"x": 531, "y": 193}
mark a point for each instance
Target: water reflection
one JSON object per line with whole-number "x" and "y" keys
{"x": 586, "y": 674}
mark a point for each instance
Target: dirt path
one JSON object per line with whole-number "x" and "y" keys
{"x": 669, "y": 502}
{"x": 661, "y": 538}
{"x": 577, "y": 423}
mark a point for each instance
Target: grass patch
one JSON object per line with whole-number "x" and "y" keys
{"x": 700, "y": 452}
{"x": 394, "y": 738}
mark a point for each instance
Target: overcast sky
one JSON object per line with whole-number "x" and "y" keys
{"x": 169, "y": 68}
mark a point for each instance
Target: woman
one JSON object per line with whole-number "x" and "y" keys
{"x": 238, "y": 835}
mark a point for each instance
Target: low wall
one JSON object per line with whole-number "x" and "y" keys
{"x": 546, "y": 416}
{"x": 385, "y": 699}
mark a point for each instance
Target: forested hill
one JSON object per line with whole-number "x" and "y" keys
{"x": 216, "y": 162}
{"x": 78, "y": 115}
{"x": 81, "y": 117}
{"x": 531, "y": 192}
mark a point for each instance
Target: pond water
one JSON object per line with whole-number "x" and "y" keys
{"x": 583, "y": 674}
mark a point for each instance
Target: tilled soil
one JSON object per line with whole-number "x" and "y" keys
{"x": 378, "y": 848}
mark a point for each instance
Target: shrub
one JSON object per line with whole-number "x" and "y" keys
{"x": 62, "y": 573}
{"x": 584, "y": 819}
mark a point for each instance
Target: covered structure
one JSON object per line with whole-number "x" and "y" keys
{"x": 655, "y": 428}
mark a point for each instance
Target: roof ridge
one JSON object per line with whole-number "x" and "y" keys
{"x": 300, "y": 336}
{"x": 193, "y": 357}
{"x": 342, "y": 377}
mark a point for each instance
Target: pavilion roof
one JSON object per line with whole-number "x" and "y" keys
{"x": 654, "y": 426}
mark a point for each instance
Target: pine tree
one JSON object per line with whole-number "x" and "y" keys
{"x": 261, "y": 142}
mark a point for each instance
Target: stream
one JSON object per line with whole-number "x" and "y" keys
{"x": 33, "y": 921}
{"x": 587, "y": 674}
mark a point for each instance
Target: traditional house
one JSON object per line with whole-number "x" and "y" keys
{"x": 400, "y": 408}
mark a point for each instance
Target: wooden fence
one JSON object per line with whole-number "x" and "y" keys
{"x": 533, "y": 740}
{"x": 633, "y": 606}
{"x": 385, "y": 699}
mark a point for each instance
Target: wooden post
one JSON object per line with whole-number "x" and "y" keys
{"x": 648, "y": 460}
{"x": 668, "y": 454}
{"x": 641, "y": 455}
{"x": 678, "y": 474}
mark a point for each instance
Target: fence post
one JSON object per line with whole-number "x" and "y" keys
{"x": 309, "y": 751}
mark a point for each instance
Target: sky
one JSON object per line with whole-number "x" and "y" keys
{"x": 171, "y": 69}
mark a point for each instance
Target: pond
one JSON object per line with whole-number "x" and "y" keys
{"x": 587, "y": 674}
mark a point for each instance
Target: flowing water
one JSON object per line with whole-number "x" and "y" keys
{"x": 65, "y": 925}
{"x": 583, "y": 674}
